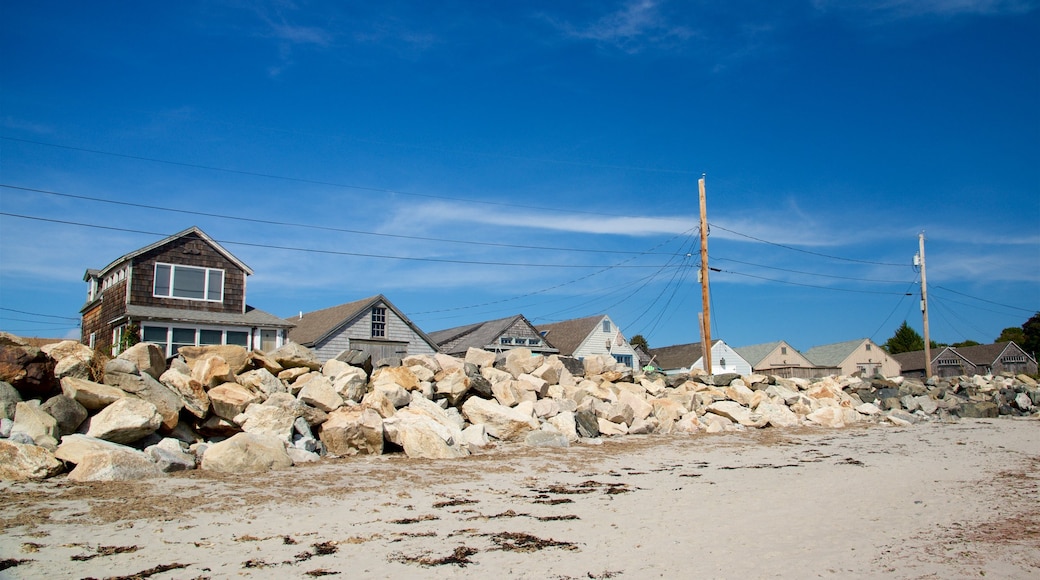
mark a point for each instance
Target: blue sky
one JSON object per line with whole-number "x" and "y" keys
{"x": 474, "y": 160}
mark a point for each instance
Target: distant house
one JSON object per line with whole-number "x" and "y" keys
{"x": 680, "y": 358}
{"x": 592, "y": 335}
{"x": 780, "y": 359}
{"x": 372, "y": 324}
{"x": 493, "y": 335}
{"x": 861, "y": 356}
{"x": 184, "y": 290}
{"x": 981, "y": 359}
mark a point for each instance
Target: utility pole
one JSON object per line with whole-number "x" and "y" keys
{"x": 924, "y": 313}
{"x": 705, "y": 318}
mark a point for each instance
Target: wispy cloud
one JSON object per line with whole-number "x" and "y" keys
{"x": 634, "y": 26}
{"x": 899, "y": 9}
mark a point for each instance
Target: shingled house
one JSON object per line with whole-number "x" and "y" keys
{"x": 582, "y": 337}
{"x": 372, "y": 325}
{"x": 493, "y": 335}
{"x": 980, "y": 359}
{"x": 184, "y": 290}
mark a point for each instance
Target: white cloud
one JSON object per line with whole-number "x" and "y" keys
{"x": 898, "y": 9}
{"x": 636, "y": 24}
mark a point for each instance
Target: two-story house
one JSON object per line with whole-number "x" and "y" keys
{"x": 184, "y": 290}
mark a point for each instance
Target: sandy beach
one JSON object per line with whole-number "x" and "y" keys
{"x": 936, "y": 500}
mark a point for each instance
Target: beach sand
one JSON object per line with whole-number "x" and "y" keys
{"x": 935, "y": 500}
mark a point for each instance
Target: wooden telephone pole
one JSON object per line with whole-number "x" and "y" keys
{"x": 705, "y": 316}
{"x": 924, "y": 312}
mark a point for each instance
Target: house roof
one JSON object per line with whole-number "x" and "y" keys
{"x": 912, "y": 360}
{"x": 982, "y": 354}
{"x": 192, "y": 230}
{"x": 569, "y": 334}
{"x": 754, "y": 353}
{"x": 832, "y": 355}
{"x": 677, "y": 356}
{"x": 251, "y": 317}
{"x": 479, "y": 334}
{"x": 313, "y": 327}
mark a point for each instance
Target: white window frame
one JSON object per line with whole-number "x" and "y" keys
{"x": 167, "y": 345}
{"x": 206, "y": 290}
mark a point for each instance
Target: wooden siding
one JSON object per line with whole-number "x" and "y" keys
{"x": 189, "y": 250}
{"x": 873, "y": 361}
{"x": 734, "y": 362}
{"x": 777, "y": 359}
{"x": 104, "y": 316}
{"x": 397, "y": 331}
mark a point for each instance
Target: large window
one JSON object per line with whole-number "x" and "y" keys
{"x": 172, "y": 338}
{"x": 378, "y": 322}
{"x": 188, "y": 282}
{"x": 624, "y": 359}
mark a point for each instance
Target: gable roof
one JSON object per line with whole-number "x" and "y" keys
{"x": 983, "y": 354}
{"x": 754, "y": 353}
{"x": 478, "y": 334}
{"x": 313, "y": 327}
{"x": 569, "y": 334}
{"x": 678, "y": 356}
{"x": 912, "y": 360}
{"x": 192, "y": 230}
{"x": 832, "y": 355}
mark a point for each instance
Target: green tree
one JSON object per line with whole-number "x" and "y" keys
{"x": 1031, "y": 342}
{"x": 905, "y": 339}
{"x": 1012, "y": 333}
{"x": 966, "y": 343}
{"x": 640, "y": 341}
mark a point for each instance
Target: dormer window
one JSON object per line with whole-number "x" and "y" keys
{"x": 188, "y": 283}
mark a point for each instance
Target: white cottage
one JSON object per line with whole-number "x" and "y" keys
{"x": 680, "y": 358}
{"x": 592, "y": 335}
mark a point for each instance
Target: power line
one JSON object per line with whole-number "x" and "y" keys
{"x": 901, "y": 298}
{"x": 807, "y": 285}
{"x": 983, "y": 299}
{"x": 334, "y": 252}
{"x": 807, "y": 273}
{"x": 786, "y": 247}
{"x": 38, "y": 314}
{"x": 303, "y": 179}
{"x": 307, "y": 226}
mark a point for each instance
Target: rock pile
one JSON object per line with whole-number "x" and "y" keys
{"x": 226, "y": 409}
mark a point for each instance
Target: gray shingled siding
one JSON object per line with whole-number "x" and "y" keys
{"x": 396, "y": 331}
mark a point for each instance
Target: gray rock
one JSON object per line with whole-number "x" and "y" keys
{"x": 168, "y": 460}
{"x": 9, "y": 397}
{"x": 587, "y": 423}
{"x": 977, "y": 410}
{"x": 147, "y": 357}
{"x": 144, "y": 386}
{"x": 67, "y": 412}
{"x": 5, "y": 427}
{"x": 724, "y": 379}
{"x": 1023, "y": 402}
{"x": 546, "y": 439}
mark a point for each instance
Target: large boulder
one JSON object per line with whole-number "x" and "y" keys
{"x": 9, "y": 397}
{"x": 144, "y": 386}
{"x": 72, "y": 359}
{"x": 19, "y": 462}
{"x": 351, "y": 383}
{"x": 452, "y": 384}
{"x": 828, "y": 417}
{"x": 267, "y": 420}
{"x": 212, "y": 370}
{"x": 67, "y": 412}
{"x": 501, "y": 422}
{"x": 148, "y": 358}
{"x": 231, "y": 399}
{"x": 402, "y": 377}
{"x": 353, "y": 431}
{"x": 262, "y": 380}
{"x": 237, "y": 357}
{"x": 293, "y": 355}
{"x": 318, "y": 392}
{"x": 737, "y": 413}
{"x": 420, "y": 435}
{"x": 93, "y": 396}
{"x": 35, "y": 423}
{"x": 28, "y": 369}
{"x": 125, "y": 421}
{"x": 74, "y": 448}
{"x": 246, "y": 453}
{"x": 192, "y": 392}
{"x": 115, "y": 465}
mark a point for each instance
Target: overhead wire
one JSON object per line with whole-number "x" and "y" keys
{"x": 983, "y": 299}
{"x": 792, "y": 248}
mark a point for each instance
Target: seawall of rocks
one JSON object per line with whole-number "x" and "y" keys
{"x": 223, "y": 408}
